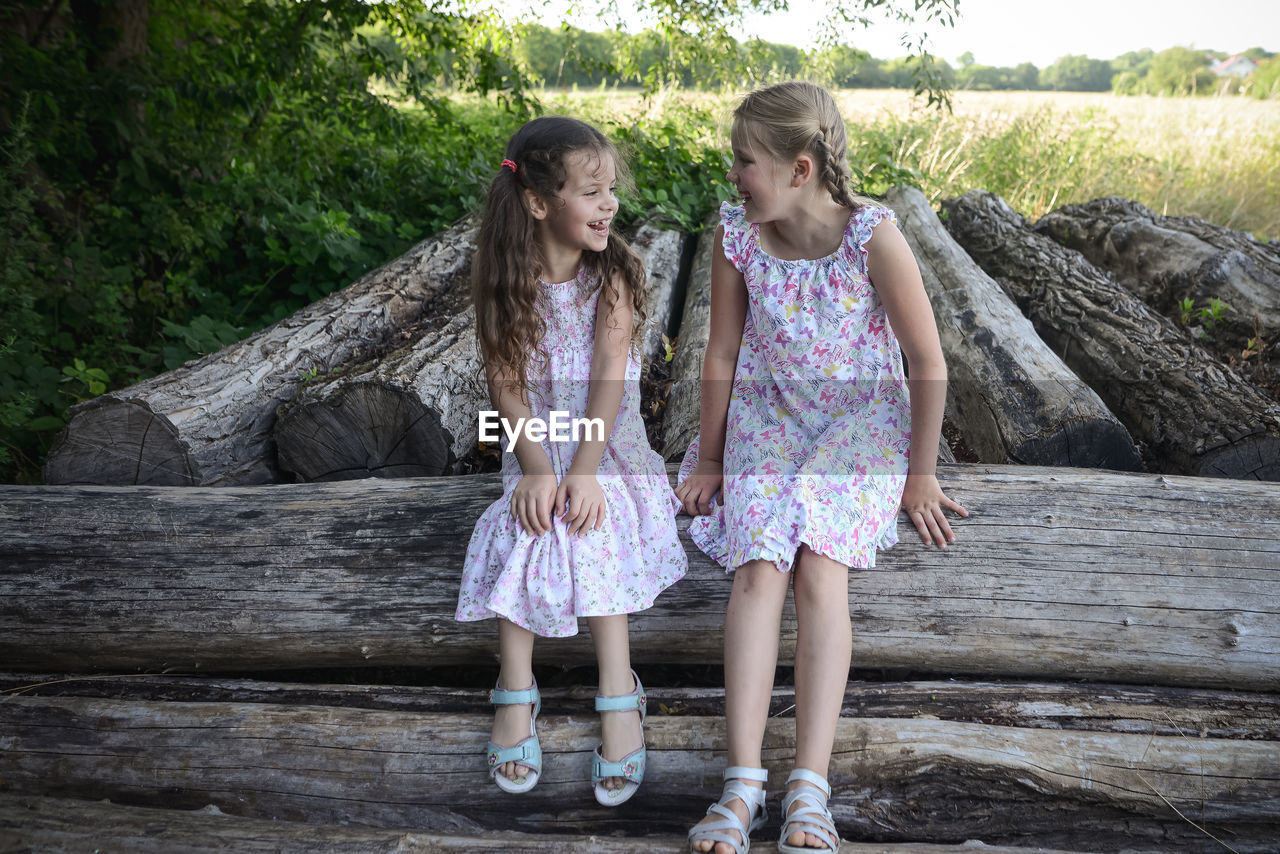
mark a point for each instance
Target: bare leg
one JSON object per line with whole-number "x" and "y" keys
{"x": 752, "y": 625}
{"x": 515, "y": 673}
{"x": 824, "y": 643}
{"x": 621, "y": 732}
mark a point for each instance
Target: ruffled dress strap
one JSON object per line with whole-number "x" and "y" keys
{"x": 861, "y": 224}
{"x": 740, "y": 239}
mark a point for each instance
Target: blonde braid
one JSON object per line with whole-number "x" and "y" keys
{"x": 835, "y": 170}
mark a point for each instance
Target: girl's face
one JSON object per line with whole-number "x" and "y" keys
{"x": 579, "y": 218}
{"x": 759, "y": 179}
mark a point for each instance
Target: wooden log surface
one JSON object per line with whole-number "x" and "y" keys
{"x": 1087, "y": 706}
{"x": 210, "y": 421}
{"x": 1165, "y": 259}
{"x": 1193, "y": 414}
{"x": 415, "y": 412}
{"x": 1057, "y": 573}
{"x": 1010, "y": 396}
{"x": 68, "y": 826}
{"x": 680, "y": 418}
{"x": 896, "y": 779}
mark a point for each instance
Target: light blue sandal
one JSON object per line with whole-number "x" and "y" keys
{"x": 631, "y": 766}
{"x": 734, "y": 789}
{"x": 527, "y": 753}
{"x": 812, "y": 816}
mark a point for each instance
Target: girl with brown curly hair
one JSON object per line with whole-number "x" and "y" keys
{"x": 585, "y": 526}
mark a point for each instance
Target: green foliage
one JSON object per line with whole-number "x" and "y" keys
{"x": 1179, "y": 71}
{"x": 1209, "y": 316}
{"x": 679, "y": 174}
{"x": 1264, "y": 82}
{"x": 1077, "y": 74}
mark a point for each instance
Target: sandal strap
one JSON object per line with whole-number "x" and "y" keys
{"x": 804, "y": 775}
{"x": 753, "y": 797}
{"x": 502, "y": 697}
{"x": 630, "y": 767}
{"x": 813, "y": 815}
{"x": 527, "y": 753}
{"x": 637, "y": 699}
{"x": 745, "y": 772}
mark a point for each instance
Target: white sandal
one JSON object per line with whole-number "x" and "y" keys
{"x": 812, "y": 816}
{"x": 734, "y": 789}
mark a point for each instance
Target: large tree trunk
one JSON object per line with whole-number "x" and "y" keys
{"x": 1194, "y": 415}
{"x": 1166, "y": 259}
{"x": 209, "y": 422}
{"x": 680, "y": 417}
{"x": 415, "y": 412}
{"x": 895, "y": 778}
{"x": 63, "y": 824}
{"x": 1012, "y": 399}
{"x": 1113, "y": 708}
{"x": 1171, "y": 581}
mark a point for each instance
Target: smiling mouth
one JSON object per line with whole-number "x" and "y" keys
{"x": 600, "y": 227}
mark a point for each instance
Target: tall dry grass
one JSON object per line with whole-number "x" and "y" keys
{"x": 1217, "y": 158}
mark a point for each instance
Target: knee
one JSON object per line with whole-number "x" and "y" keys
{"x": 759, "y": 578}
{"x": 820, "y": 583}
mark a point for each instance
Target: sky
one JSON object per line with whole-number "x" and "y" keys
{"x": 1009, "y": 32}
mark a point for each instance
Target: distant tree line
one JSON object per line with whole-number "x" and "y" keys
{"x": 568, "y": 56}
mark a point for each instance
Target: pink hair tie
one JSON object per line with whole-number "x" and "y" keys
{"x": 510, "y": 163}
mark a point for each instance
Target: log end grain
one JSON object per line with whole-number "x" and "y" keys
{"x": 365, "y": 430}
{"x": 114, "y": 442}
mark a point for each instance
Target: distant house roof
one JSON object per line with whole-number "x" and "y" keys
{"x": 1236, "y": 66}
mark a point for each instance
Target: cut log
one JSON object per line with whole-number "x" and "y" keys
{"x": 412, "y": 414}
{"x": 415, "y": 412}
{"x": 210, "y": 421}
{"x": 1057, "y": 573}
{"x": 1149, "y": 710}
{"x": 1010, "y": 396}
{"x": 663, "y": 253}
{"x": 56, "y": 825}
{"x": 1193, "y": 414}
{"x": 894, "y": 778}
{"x": 1166, "y": 259}
{"x": 680, "y": 417}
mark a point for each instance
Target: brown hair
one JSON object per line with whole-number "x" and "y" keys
{"x": 504, "y": 274}
{"x": 794, "y": 118}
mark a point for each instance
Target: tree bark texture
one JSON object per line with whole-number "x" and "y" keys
{"x": 209, "y": 422}
{"x": 680, "y": 418}
{"x": 1057, "y": 573}
{"x": 894, "y": 779}
{"x": 1010, "y": 396}
{"x": 1166, "y": 259}
{"x": 1090, "y": 706}
{"x": 415, "y": 412}
{"x": 68, "y": 826}
{"x": 1192, "y": 414}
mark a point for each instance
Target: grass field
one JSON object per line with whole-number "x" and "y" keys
{"x": 1218, "y": 158}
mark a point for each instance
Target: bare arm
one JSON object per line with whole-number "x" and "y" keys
{"x": 609, "y": 357}
{"x": 897, "y": 282}
{"x": 728, "y": 314}
{"x": 533, "y": 498}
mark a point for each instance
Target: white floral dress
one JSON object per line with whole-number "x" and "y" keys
{"x": 545, "y": 583}
{"x": 819, "y": 421}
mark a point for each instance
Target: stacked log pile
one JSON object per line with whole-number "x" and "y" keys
{"x": 209, "y": 422}
{"x": 1094, "y": 666}
{"x": 1193, "y": 414}
{"x": 1168, "y": 587}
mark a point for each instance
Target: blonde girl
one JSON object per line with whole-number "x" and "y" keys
{"x": 585, "y": 526}
{"x": 811, "y": 435}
